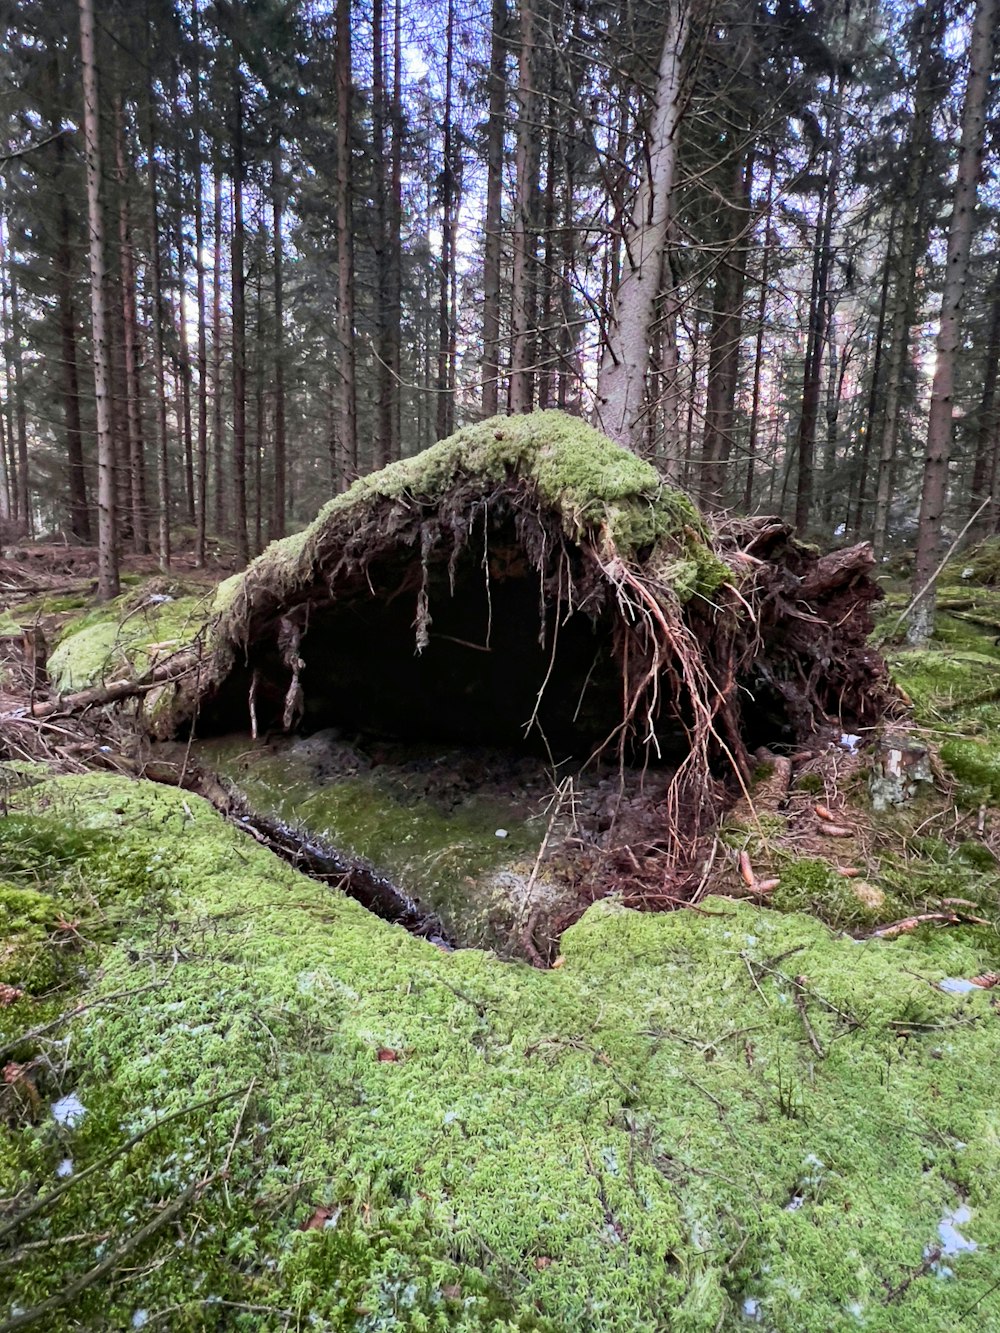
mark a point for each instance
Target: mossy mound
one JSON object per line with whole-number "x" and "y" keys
{"x": 698, "y": 1120}
{"x": 125, "y": 637}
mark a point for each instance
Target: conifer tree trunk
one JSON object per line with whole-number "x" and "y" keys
{"x": 621, "y": 384}
{"x": 445, "y": 394}
{"x": 107, "y": 540}
{"x": 394, "y": 338}
{"x": 158, "y": 320}
{"x": 494, "y": 202}
{"x": 218, "y": 469}
{"x": 381, "y": 187}
{"x": 819, "y": 311}
{"x": 526, "y": 168}
{"x": 345, "y": 249}
{"x": 276, "y": 518}
{"x": 238, "y": 285}
{"x": 724, "y": 337}
{"x": 940, "y": 425}
{"x": 79, "y": 508}
{"x": 201, "y": 498}
{"x": 130, "y": 338}
{"x": 931, "y": 30}
{"x": 15, "y": 381}
{"x": 984, "y": 477}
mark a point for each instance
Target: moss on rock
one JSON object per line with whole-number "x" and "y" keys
{"x": 397, "y": 1137}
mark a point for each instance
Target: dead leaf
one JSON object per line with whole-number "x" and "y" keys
{"x": 542, "y": 1262}
{"x": 8, "y": 994}
{"x": 452, "y": 1292}
{"x": 318, "y": 1220}
{"x": 987, "y": 980}
{"x": 387, "y": 1056}
{"x": 558, "y": 962}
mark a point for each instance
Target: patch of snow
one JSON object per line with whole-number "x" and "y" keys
{"x": 68, "y": 1110}
{"x": 65, "y": 1167}
{"x": 751, "y": 1309}
{"x": 968, "y": 572}
{"x": 500, "y": 833}
{"x": 850, "y": 743}
{"x": 141, "y": 1317}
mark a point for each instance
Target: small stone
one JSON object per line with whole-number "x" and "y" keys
{"x": 501, "y": 833}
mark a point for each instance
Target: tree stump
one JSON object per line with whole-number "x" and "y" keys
{"x": 901, "y": 767}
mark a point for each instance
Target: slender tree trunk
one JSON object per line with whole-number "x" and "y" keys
{"x": 984, "y": 465}
{"x": 130, "y": 339}
{"x": 819, "y": 312}
{"x": 874, "y": 388}
{"x": 15, "y": 381}
{"x": 940, "y": 425}
{"x": 345, "y": 247}
{"x": 201, "y": 498}
{"x": 381, "y": 188}
{"x": 218, "y": 468}
{"x": 79, "y": 508}
{"x": 276, "y": 520}
{"x": 526, "y": 167}
{"x": 931, "y": 22}
{"x": 158, "y": 320}
{"x": 494, "y": 202}
{"x": 107, "y": 540}
{"x": 394, "y": 313}
{"x": 758, "y": 359}
{"x": 724, "y": 338}
{"x": 238, "y": 285}
{"x": 445, "y": 395}
{"x": 621, "y": 383}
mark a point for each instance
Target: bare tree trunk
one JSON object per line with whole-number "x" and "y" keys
{"x": 526, "y": 165}
{"x": 940, "y": 425}
{"x": 183, "y": 349}
{"x": 724, "y": 338}
{"x": 201, "y": 499}
{"x": 381, "y": 186}
{"x": 621, "y": 383}
{"x": 494, "y": 202}
{"x": 107, "y": 540}
{"x": 758, "y": 359}
{"x": 130, "y": 328}
{"x": 445, "y": 389}
{"x": 819, "y": 311}
{"x": 931, "y": 30}
{"x": 15, "y": 381}
{"x": 984, "y": 466}
{"x": 345, "y": 248}
{"x": 874, "y": 389}
{"x": 394, "y": 313}
{"x": 158, "y": 316}
{"x": 276, "y": 520}
{"x": 238, "y": 284}
{"x": 218, "y": 469}
{"x": 79, "y": 508}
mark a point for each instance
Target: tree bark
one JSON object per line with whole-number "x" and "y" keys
{"x": 107, "y": 540}
{"x": 381, "y": 189}
{"x": 445, "y": 404}
{"x": 15, "y": 380}
{"x": 931, "y": 30}
{"x": 79, "y": 508}
{"x": 130, "y": 337}
{"x": 276, "y": 519}
{"x": 218, "y": 469}
{"x": 984, "y": 468}
{"x": 940, "y": 425}
{"x": 201, "y": 498}
{"x": 345, "y": 249}
{"x": 524, "y": 262}
{"x": 494, "y": 202}
{"x": 239, "y": 332}
{"x": 621, "y": 383}
{"x": 158, "y": 319}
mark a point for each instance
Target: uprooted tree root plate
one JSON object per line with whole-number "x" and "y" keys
{"x": 526, "y": 584}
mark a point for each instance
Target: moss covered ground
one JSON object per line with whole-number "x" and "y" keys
{"x": 706, "y": 1120}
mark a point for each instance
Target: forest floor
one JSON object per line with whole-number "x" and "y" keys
{"x": 236, "y": 1100}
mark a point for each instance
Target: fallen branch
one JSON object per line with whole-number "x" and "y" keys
{"x": 908, "y": 923}
{"x": 164, "y": 673}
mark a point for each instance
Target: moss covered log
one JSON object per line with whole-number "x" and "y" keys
{"x": 709, "y": 1120}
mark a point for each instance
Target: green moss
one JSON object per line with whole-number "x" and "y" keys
{"x": 117, "y": 639}
{"x": 813, "y": 885}
{"x": 588, "y": 1148}
{"x": 976, "y": 765}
